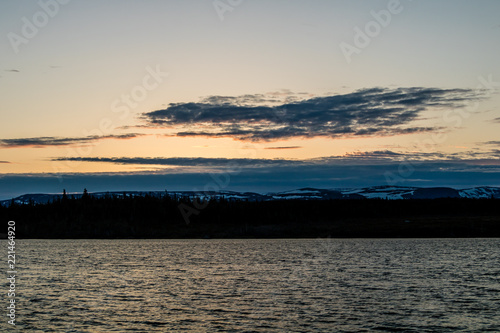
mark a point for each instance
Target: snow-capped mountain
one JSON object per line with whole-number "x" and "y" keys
{"x": 382, "y": 192}
{"x": 375, "y": 192}
{"x": 480, "y": 192}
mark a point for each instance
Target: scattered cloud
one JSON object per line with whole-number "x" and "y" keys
{"x": 366, "y": 112}
{"x": 270, "y": 98}
{"x": 287, "y": 147}
{"x": 374, "y": 154}
{"x": 370, "y": 158}
{"x": 183, "y": 161}
{"x": 48, "y": 141}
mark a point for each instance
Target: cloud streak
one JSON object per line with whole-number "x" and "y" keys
{"x": 185, "y": 161}
{"x": 366, "y": 112}
{"x": 354, "y": 158}
{"x": 285, "y": 147}
{"x": 50, "y": 141}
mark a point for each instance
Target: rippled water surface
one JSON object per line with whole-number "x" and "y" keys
{"x": 320, "y": 285}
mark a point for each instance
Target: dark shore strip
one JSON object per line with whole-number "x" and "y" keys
{"x": 166, "y": 217}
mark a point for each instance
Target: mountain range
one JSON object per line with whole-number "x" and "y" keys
{"x": 374, "y": 192}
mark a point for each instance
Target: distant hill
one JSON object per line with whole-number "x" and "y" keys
{"x": 374, "y": 192}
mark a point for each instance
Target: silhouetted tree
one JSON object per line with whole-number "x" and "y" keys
{"x": 158, "y": 216}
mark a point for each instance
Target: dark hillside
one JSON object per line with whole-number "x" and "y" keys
{"x": 167, "y": 217}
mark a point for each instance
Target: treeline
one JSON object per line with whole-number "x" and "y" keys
{"x": 170, "y": 217}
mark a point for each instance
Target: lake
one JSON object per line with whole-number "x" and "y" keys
{"x": 283, "y": 285}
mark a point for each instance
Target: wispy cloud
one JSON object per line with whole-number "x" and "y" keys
{"x": 12, "y": 70}
{"x": 285, "y": 147}
{"x": 366, "y": 112}
{"x": 40, "y": 142}
{"x": 374, "y": 154}
{"x": 184, "y": 161}
{"x": 5, "y": 162}
{"x": 353, "y": 158}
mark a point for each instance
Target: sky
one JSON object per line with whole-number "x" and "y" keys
{"x": 247, "y": 95}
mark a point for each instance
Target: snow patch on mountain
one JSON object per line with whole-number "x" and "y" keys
{"x": 374, "y": 192}
{"x": 480, "y": 192}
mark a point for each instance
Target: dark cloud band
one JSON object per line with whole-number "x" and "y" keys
{"x": 355, "y": 158}
{"x": 58, "y": 141}
{"x": 273, "y": 178}
{"x": 366, "y": 112}
{"x": 183, "y": 161}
